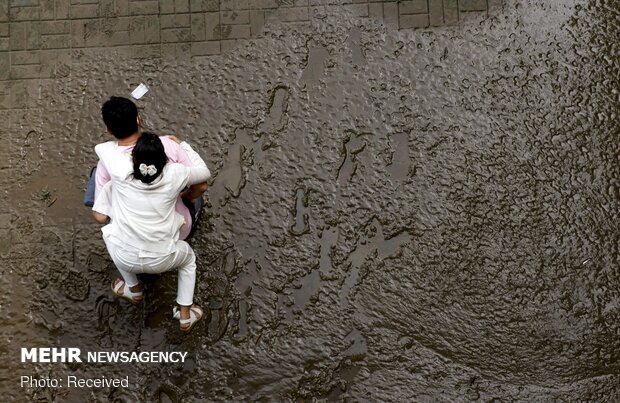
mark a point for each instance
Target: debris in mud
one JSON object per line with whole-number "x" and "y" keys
{"x": 139, "y": 91}
{"x": 46, "y": 196}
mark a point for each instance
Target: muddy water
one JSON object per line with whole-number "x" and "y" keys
{"x": 400, "y": 216}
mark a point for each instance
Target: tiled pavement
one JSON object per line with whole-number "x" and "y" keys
{"x": 38, "y": 38}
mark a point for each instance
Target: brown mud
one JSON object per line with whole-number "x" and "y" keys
{"x": 394, "y": 215}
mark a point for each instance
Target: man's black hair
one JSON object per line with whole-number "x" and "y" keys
{"x": 120, "y": 116}
{"x": 148, "y": 150}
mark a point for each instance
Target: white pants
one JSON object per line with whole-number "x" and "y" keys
{"x": 131, "y": 261}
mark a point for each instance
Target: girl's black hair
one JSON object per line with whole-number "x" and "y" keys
{"x": 148, "y": 150}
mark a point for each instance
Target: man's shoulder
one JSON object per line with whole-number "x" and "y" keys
{"x": 169, "y": 143}
{"x": 104, "y": 147}
{"x": 106, "y": 143}
{"x": 172, "y": 148}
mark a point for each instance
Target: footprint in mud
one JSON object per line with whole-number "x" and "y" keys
{"x": 48, "y": 319}
{"x": 399, "y": 161}
{"x": 347, "y": 371}
{"x": 354, "y": 43}
{"x": 242, "y": 330}
{"x": 246, "y": 278}
{"x": 158, "y": 316}
{"x": 229, "y": 264}
{"x": 254, "y": 146}
{"x": 49, "y": 237}
{"x": 153, "y": 339}
{"x": 315, "y": 66}
{"x": 230, "y": 180}
{"x": 167, "y": 394}
{"x": 6, "y": 235}
{"x": 6, "y": 241}
{"x": 218, "y": 323}
{"x": 244, "y": 285}
{"x": 276, "y": 118}
{"x": 385, "y": 249}
{"x": 352, "y": 278}
{"x": 337, "y": 380}
{"x": 75, "y": 286}
{"x": 311, "y": 282}
{"x": 300, "y": 213}
{"x": 106, "y": 310}
{"x": 96, "y": 263}
{"x": 353, "y": 145}
{"x": 309, "y": 285}
{"x": 31, "y": 152}
{"x": 329, "y": 238}
{"x": 357, "y": 348}
{"x": 242, "y": 308}
{"x": 284, "y": 308}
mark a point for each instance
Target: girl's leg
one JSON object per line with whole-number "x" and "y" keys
{"x": 182, "y": 259}
{"x": 185, "y": 261}
{"x": 186, "y": 282}
{"x": 131, "y": 280}
{"x": 124, "y": 260}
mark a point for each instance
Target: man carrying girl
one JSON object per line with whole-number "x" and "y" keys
{"x": 140, "y": 186}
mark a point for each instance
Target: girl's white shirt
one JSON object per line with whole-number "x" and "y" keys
{"x": 143, "y": 215}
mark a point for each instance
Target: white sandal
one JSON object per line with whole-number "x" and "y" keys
{"x": 195, "y": 314}
{"x": 127, "y": 293}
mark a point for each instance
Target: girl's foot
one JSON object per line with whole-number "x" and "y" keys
{"x": 132, "y": 294}
{"x": 188, "y": 316}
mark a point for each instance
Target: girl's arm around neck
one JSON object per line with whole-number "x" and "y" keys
{"x": 198, "y": 172}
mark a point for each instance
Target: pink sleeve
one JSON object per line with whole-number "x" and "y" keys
{"x": 175, "y": 153}
{"x": 102, "y": 177}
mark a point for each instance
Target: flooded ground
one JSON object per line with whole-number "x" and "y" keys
{"x": 395, "y": 215}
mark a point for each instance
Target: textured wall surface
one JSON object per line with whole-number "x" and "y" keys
{"x": 395, "y": 214}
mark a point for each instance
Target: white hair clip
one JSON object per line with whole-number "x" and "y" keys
{"x": 147, "y": 170}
